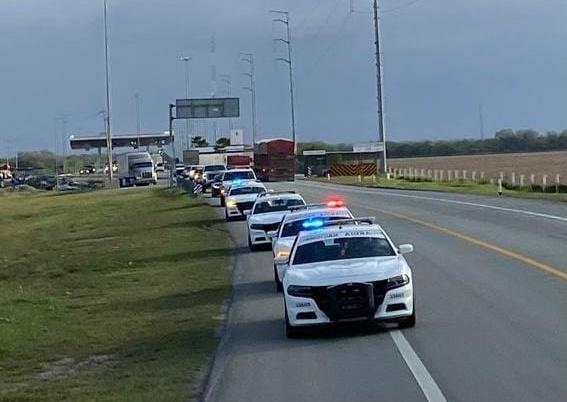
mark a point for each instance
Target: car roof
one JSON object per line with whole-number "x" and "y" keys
{"x": 279, "y": 196}
{"x": 240, "y": 170}
{"x": 344, "y": 230}
{"x": 320, "y": 211}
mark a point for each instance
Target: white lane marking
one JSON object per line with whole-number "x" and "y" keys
{"x": 426, "y": 382}
{"x": 446, "y": 200}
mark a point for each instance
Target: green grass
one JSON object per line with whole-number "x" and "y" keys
{"x": 466, "y": 187}
{"x": 128, "y": 284}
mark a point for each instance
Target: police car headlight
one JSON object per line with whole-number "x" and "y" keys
{"x": 300, "y": 291}
{"x": 398, "y": 281}
{"x": 256, "y": 226}
{"x": 230, "y": 203}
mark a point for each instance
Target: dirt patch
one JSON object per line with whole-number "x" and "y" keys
{"x": 69, "y": 366}
{"x": 526, "y": 164}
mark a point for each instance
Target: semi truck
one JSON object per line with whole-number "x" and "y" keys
{"x": 274, "y": 160}
{"x": 136, "y": 169}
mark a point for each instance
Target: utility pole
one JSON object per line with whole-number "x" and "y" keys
{"x": 186, "y": 60}
{"x": 138, "y": 122}
{"x": 284, "y": 19}
{"x": 107, "y": 80}
{"x": 249, "y": 58}
{"x": 383, "y": 165}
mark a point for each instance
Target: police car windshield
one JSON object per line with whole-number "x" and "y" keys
{"x": 293, "y": 228}
{"x": 342, "y": 248}
{"x": 247, "y": 175}
{"x": 214, "y": 168}
{"x": 247, "y": 190}
{"x": 276, "y": 205}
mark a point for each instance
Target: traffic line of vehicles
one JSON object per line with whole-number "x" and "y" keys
{"x": 330, "y": 266}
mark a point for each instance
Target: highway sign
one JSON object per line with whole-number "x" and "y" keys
{"x": 207, "y": 108}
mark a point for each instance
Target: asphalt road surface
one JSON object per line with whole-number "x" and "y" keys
{"x": 490, "y": 277}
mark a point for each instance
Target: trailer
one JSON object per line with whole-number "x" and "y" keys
{"x": 274, "y": 160}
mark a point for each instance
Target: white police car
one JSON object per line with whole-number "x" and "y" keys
{"x": 307, "y": 217}
{"x": 241, "y": 198}
{"x": 347, "y": 271}
{"x": 267, "y": 214}
{"x": 234, "y": 177}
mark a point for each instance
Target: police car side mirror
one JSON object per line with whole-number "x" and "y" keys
{"x": 273, "y": 234}
{"x": 405, "y": 249}
{"x": 282, "y": 260}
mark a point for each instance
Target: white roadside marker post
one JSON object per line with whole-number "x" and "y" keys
{"x": 500, "y": 186}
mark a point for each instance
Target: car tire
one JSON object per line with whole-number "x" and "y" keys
{"x": 408, "y": 322}
{"x": 252, "y": 247}
{"x": 290, "y": 331}
{"x": 279, "y": 284}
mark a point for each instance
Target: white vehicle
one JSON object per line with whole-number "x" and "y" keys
{"x": 267, "y": 214}
{"x": 209, "y": 174}
{"x": 136, "y": 169}
{"x": 293, "y": 223}
{"x": 241, "y": 199}
{"x": 234, "y": 177}
{"x": 347, "y": 271}
{"x": 158, "y": 163}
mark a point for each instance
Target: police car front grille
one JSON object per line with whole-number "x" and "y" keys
{"x": 332, "y": 300}
{"x": 245, "y": 206}
{"x": 270, "y": 227}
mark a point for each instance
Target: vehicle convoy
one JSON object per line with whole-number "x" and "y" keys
{"x": 209, "y": 174}
{"x": 234, "y": 177}
{"x": 301, "y": 218}
{"x": 274, "y": 160}
{"x": 349, "y": 270}
{"x": 87, "y": 169}
{"x": 267, "y": 214}
{"x": 241, "y": 198}
{"x": 136, "y": 169}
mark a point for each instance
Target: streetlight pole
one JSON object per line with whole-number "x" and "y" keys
{"x": 383, "y": 165}
{"x": 249, "y": 58}
{"x": 186, "y": 60}
{"x": 289, "y": 61}
{"x": 107, "y": 80}
{"x": 138, "y": 122}
{"x": 227, "y": 79}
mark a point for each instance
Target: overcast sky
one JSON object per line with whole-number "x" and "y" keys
{"x": 442, "y": 59}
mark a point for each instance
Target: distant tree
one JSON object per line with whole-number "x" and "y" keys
{"x": 199, "y": 142}
{"x": 223, "y": 142}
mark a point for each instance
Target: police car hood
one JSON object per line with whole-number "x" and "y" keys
{"x": 244, "y": 197}
{"x": 330, "y": 273}
{"x": 268, "y": 218}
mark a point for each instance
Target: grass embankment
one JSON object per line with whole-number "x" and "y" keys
{"x": 108, "y": 296}
{"x": 461, "y": 186}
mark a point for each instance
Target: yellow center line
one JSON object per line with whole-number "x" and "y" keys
{"x": 504, "y": 251}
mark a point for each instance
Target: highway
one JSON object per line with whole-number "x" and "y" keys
{"x": 490, "y": 277}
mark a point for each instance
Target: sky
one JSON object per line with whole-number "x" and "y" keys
{"x": 442, "y": 60}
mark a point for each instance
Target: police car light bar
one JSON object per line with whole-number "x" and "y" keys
{"x": 306, "y": 206}
{"x": 369, "y": 220}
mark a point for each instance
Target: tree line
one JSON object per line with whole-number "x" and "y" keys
{"x": 504, "y": 141}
